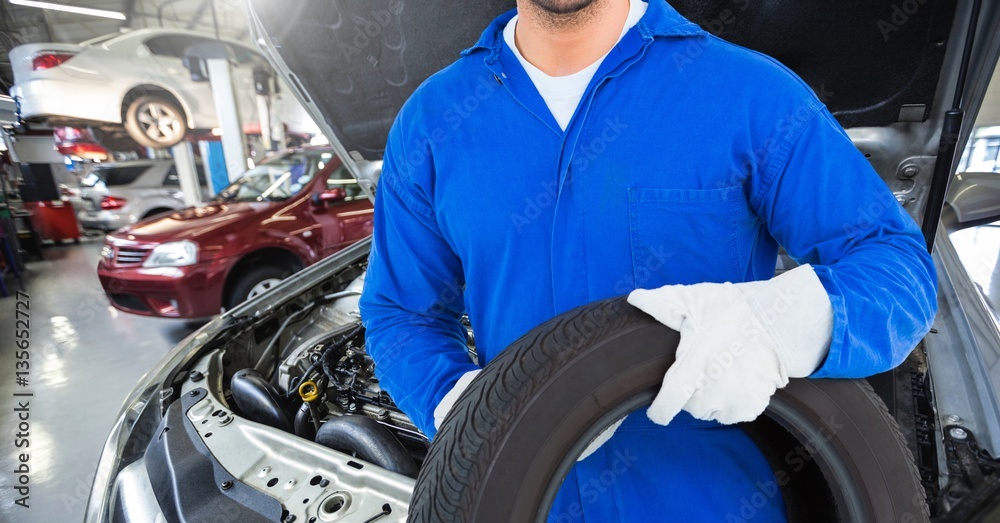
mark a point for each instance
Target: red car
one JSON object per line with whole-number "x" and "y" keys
{"x": 285, "y": 214}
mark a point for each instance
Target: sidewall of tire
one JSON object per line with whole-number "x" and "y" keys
{"x": 134, "y": 130}
{"x": 248, "y": 279}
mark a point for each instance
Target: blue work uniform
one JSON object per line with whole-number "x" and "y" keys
{"x": 689, "y": 159}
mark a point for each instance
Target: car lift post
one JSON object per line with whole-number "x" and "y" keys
{"x": 262, "y": 90}
{"x": 215, "y": 57}
{"x": 187, "y": 173}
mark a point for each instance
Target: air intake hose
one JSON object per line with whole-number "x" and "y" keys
{"x": 368, "y": 440}
{"x": 259, "y": 401}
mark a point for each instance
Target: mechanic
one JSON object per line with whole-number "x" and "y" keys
{"x": 582, "y": 149}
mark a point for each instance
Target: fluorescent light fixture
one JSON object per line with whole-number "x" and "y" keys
{"x": 70, "y": 9}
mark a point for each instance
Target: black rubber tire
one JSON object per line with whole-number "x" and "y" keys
{"x": 503, "y": 449}
{"x": 247, "y": 279}
{"x": 135, "y": 130}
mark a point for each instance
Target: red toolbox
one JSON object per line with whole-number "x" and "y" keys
{"x": 54, "y": 220}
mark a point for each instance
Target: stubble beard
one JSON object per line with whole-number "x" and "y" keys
{"x": 561, "y": 7}
{"x": 557, "y": 14}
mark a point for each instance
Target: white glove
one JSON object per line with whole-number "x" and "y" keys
{"x": 601, "y": 439}
{"x": 449, "y": 399}
{"x": 739, "y": 342}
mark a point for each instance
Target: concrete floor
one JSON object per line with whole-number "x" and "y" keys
{"x": 85, "y": 357}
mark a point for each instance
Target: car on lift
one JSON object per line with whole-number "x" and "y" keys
{"x": 285, "y": 214}
{"x": 137, "y": 80}
{"x": 114, "y": 195}
{"x": 272, "y": 412}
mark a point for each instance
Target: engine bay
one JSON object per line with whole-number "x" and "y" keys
{"x": 276, "y": 416}
{"x": 325, "y": 390}
{"x": 286, "y": 405}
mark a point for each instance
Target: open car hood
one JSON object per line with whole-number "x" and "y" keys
{"x": 885, "y": 68}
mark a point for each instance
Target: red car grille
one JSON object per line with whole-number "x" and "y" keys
{"x": 130, "y": 256}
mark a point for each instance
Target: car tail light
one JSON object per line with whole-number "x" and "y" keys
{"x": 110, "y": 203}
{"x": 49, "y": 60}
{"x": 87, "y": 151}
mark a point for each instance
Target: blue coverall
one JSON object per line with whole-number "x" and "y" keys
{"x": 689, "y": 160}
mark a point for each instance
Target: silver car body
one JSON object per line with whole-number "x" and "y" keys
{"x": 91, "y": 86}
{"x": 152, "y": 191}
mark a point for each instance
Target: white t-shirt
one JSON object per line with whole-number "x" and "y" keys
{"x": 563, "y": 93}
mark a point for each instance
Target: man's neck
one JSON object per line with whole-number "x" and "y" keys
{"x": 560, "y": 45}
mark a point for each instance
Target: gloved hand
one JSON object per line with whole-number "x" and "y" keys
{"x": 449, "y": 399}
{"x": 739, "y": 342}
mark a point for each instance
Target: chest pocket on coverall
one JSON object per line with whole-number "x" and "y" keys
{"x": 685, "y": 236}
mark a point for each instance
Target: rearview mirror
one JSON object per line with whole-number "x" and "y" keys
{"x": 336, "y": 194}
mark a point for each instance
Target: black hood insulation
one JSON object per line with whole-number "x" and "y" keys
{"x": 873, "y": 62}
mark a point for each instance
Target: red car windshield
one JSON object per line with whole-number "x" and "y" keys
{"x": 278, "y": 179}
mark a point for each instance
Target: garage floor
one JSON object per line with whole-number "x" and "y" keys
{"x": 85, "y": 358}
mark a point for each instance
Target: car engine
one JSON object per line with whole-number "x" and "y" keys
{"x": 279, "y": 416}
{"x": 323, "y": 388}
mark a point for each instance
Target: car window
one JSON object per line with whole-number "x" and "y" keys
{"x": 982, "y": 153}
{"x": 244, "y": 56}
{"x": 341, "y": 177}
{"x": 99, "y": 39}
{"x": 201, "y": 175}
{"x": 977, "y": 190}
{"x": 277, "y": 179}
{"x": 171, "y": 179}
{"x": 173, "y": 45}
{"x": 112, "y": 176}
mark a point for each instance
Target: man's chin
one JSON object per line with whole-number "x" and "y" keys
{"x": 561, "y": 7}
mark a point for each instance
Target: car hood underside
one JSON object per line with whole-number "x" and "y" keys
{"x": 887, "y": 69}
{"x": 872, "y": 62}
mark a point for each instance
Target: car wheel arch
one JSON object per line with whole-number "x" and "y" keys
{"x": 144, "y": 89}
{"x": 271, "y": 255}
{"x": 156, "y": 210}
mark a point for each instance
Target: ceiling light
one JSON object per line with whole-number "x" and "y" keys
{"x": 70, "y": 9}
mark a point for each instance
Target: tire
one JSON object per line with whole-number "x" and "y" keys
{"x": 504, "y": 448}
{"x": 155, "y": 121}
{"x": 245, "y": 282}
